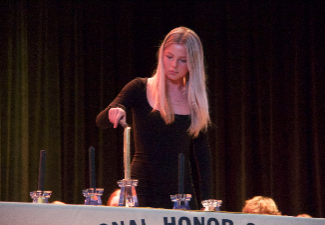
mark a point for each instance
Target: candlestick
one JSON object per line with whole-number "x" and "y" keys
{"x": 92, "y": 174}
{"x": 181, "y": 201}
{"x": 181, "y": 160}
{"x": 41, "y": 172}
{"x": 127, "y": 161}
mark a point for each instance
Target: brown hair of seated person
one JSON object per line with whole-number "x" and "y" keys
{"x": 304, "y": 215}
{"x": 261, "y": 205}
{"x": 58, "y": 202}
{"x": 114, "y": 198}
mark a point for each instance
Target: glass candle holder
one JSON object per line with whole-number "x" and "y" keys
{"x": 181, "y": 201}
{"x": 211, "y": 204}
{"x": 93, "y": 196}
{"x": 128, "y": 195}
{"x": 40, "y": 196}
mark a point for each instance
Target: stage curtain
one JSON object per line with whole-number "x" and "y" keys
{"x": 62, "y": 62}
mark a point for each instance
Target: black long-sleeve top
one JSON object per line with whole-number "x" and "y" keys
{"x": 157, "y": 146}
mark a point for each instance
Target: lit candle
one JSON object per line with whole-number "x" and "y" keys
{"x": 127, "y": 158}
{"x": 92, "y": 174}
{"x": 181, "y": 173}
{"x": 41, "y": 171}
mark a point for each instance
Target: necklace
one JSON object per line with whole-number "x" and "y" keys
{"x": 178, "y": 99}
{"x": 178, "y": 94}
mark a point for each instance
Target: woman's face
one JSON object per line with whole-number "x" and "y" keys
{"x": 175, "y": 62}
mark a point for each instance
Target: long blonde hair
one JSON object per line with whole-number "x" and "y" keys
{"x": 195, "y": 81}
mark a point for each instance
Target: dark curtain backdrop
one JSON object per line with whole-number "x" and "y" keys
{"x": 62, "y": 62}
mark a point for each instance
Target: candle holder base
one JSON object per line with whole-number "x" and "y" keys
{"x": 40, "y": 196}
{"x": 181, "y": 201}
{"x": 212, "y": 204}
{"x": 128, "y": 195}
{"x": 93, "y": 196}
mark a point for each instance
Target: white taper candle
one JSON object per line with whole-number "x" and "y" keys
{"x": 127, "y": 157}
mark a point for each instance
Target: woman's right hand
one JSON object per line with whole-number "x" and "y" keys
{"x": 116, "y": 116}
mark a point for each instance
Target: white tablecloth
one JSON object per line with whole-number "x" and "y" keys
{"x": 34, "y": 214}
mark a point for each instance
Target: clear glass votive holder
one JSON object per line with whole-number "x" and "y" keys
{"x": 128, "y": 195}
{"x": 211, "y": 204}
{"x": 93, "y": 196}
{"x": 40, "y": 196}
{"x": 181, "y": 201}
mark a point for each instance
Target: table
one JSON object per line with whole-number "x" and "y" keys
{"x": 37, "y": 214}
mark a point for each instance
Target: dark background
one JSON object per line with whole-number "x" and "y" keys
{"x": 62, "y": 62}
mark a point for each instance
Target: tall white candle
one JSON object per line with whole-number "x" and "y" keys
{"x": 127, "y": 157}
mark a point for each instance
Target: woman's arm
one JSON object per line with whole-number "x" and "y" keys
{"x": 126, "y": 99}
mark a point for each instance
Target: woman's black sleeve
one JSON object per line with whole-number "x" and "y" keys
{"x": 202, "y": 156}
{"x": 126, "y": 99}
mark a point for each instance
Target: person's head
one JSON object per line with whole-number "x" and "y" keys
{"x": 113, "y": 199}
{"x": 187, "y": 45}
{"x": 58, "y": 203}
{"x": 187, "y": 38}
{"x": 304, "y": 215}
{"x": 261, "y": 205}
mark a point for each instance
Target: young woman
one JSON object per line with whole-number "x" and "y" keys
{"x": 170, "y": 116}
